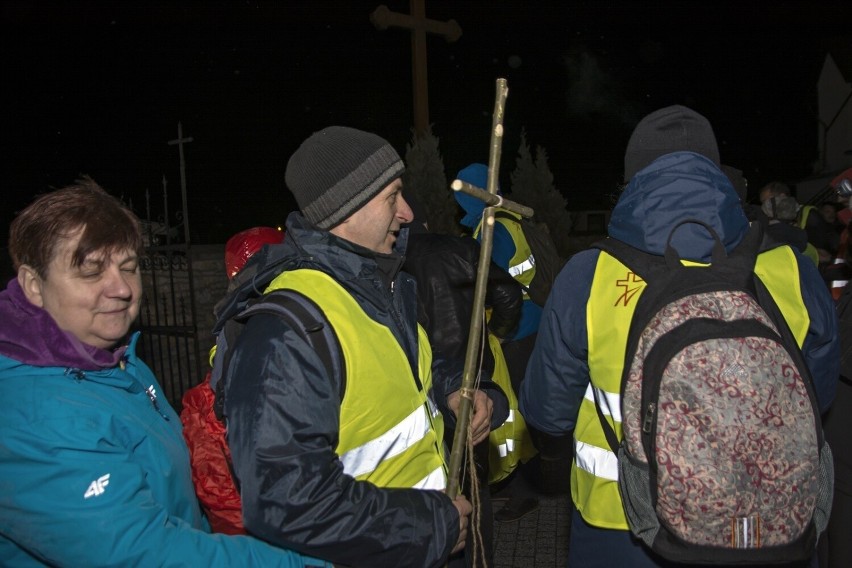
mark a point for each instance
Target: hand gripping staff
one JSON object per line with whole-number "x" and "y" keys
{"x": 461, "y": 436}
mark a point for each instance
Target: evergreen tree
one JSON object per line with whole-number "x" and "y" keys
{"x": 425, "y": 178}
{"x": 532, "y": 185}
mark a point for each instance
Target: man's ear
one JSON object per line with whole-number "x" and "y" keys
{"x": 30, "y": 282}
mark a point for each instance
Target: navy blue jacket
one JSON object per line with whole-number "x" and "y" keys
{"x": 306, "y": 500}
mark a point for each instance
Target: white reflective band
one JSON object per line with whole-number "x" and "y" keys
{"x": 519, "y": 269}
{"x": 839, "y": 283}
{"x": 433, "y": 408}
{"x": 839, "y": 261}
{"x": 511, "y": 417}
{"x": 597, "y": 461}
{"x": 610, "y": 402}
{"x": 367, "y": 457}
{"x": 435, "y": 480}
{"x": 503, "y": 450}
{"x": 510, "y": 444}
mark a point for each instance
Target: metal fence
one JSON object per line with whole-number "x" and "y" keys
{"x": 169, "y": 342}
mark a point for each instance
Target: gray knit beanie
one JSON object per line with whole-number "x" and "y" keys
{"x": 671, "y": 129}
{"x": 337, "y": 170}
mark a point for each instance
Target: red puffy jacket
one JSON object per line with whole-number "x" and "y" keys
{"x": 210, "y": 458}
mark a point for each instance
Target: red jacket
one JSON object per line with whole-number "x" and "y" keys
{"x": 210, "y": 459}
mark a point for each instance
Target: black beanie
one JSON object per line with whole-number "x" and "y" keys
{"x": 671, "y": 129}
{"x": 337, "y": 170}
{"x": 740, "y": 183}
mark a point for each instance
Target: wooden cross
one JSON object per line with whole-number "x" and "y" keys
{"x": 180, "y": 141}
{"x": 419, "y": 25}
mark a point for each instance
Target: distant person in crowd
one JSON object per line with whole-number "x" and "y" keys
{"x": 829, "y": 210}
{"x": 94, "y": 469}
{"x": 780, "y": 213}
{"x": 740, "y": 184}
{"x": 837, "y": 548}
{"x": 672, "y": 166}
{"x": 838, "y": 273}
{"x": 820, "y": 233}
{"x": 203, "y": 430}
{"x": 445, "y": 269}
{"x": 353, "y": 472}
{"x": 511, "y": 252}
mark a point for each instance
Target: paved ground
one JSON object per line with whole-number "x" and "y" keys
{"x": 538, "y": 540}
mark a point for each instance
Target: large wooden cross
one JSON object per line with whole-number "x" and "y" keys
{"x": 383, "y": 18}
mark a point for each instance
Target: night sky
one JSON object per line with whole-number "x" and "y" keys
{"x": 98, "y": 88}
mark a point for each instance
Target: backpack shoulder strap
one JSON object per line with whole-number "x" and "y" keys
{"x": 640, "y": 262}
{"x": 309, "y": 321}
{"x": 644, "y": 265}
{"x": 302, "y": 315}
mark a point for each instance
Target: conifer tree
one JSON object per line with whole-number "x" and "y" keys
{"x": 532, "y": 185}
{"x": 425, "y": 178}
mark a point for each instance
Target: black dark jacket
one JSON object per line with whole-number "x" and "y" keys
{"x": 445, "y": 269}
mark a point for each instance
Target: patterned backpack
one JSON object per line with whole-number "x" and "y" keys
{"x": 722, "y": 459}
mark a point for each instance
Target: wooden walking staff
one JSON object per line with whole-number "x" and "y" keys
{"x": 490, "y": 196}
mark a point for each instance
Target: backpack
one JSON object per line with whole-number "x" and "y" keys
{"x": 202, "y": 414}
{"x": 546, "y": 258}
{"x": 723, "y": 459}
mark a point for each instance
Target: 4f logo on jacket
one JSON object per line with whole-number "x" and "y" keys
{"x": 97, "y": 487}
{"x": 630, "y": 284}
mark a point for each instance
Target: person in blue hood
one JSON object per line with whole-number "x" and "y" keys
{"x": 673, "y": 167}
{"x": 507, "y": 244}
{"x": 511, "y": 252}
{"x": 93, "y": 465}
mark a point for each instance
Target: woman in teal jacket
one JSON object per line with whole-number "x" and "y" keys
{"x": 93, "y": 467}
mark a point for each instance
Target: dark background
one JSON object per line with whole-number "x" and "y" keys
{"x": 98, "y": 88}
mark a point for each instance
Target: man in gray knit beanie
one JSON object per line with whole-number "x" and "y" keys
{"x": 346, "y": 461}
{"x": 337, "y": 170}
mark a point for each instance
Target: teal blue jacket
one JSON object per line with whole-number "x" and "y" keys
{"x": 94, "y": 471}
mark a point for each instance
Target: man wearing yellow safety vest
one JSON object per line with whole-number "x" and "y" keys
{"x": 352, "y": 472}
{"x": 672, "y": 164}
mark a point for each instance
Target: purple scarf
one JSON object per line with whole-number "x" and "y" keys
{"x": 30, "y": 335}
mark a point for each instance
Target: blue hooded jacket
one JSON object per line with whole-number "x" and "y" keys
{"x": 676, "y": 186}
{"x": 93, "y": 465}
{"x": 503, "y": 247}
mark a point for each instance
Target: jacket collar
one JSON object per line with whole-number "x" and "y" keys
{"x": 29, "y": 334}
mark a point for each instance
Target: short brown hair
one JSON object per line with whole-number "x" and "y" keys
{"x": 106, "y": 222}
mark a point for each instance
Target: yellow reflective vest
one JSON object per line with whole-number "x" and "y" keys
{"x": 391, "y": 432}
{"x": 614, "y": 293}
{"x": 802, "y": 222}
{"x": 511, "y": 443}
{"x": 522, "y": 263}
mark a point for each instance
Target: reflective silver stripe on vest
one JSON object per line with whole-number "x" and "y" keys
{"x": 839, "y": 283}
{"x": 435, "y": 480}
{"x": 519, "y": 269}
{"x": 597, "y": 461}
{"x": 610, "y": 402}
{"x": 367, "y": 457}
{"x": 506, "y": 447}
